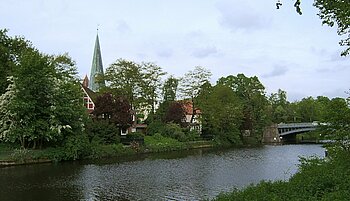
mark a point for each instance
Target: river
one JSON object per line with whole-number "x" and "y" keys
{"x": 187, "y": 175}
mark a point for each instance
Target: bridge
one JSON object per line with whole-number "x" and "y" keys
{"x": 295, "y": 128}
{"x": 287, "y": 132}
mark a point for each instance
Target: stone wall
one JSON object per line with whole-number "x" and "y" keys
{"x": 270, "y": 134}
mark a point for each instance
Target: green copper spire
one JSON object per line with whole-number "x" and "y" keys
{"x": 96, "y": 68}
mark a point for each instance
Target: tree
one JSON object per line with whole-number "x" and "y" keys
{"x": 151, "y": 83}
{"x": 68, "y": 115}
{"x": 322, "y": 103}
{"x": 222, "y": 113}
{"x": 336, "y": 12}
{"x": 10, "y": 50}
{"x": 307, "y": 110}
{"x": 175, "y": 113}
{"x": 252, "y": 94}
{"x": 43, "y": 101}
{"x": 113, "y": 109}
{"x": 338, "y": 121}
{"x": 125, "y": 79}
{"x": 169, "y": 89}
{"x": 279, "y": 106}
{"x": 191, "y": 84}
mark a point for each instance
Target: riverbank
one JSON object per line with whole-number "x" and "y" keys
{"x": 317, "y": 179}
{"x": 11, "y": 156}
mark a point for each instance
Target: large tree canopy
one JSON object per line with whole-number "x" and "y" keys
{"x": 336, "y": 12}
{"x": 42, "y": 100}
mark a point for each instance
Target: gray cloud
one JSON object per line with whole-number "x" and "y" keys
{"x": 337, "y": 57}
{"x": 122, "y": 27}
{"x": 337, "y": 93}
{"x": 204, "y": 52}
{"x": 166, "y": 53}
{"x": 277, "y": 71}
{"x": 241, "y": 16}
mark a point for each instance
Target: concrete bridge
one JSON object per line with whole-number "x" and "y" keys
{"x": 287, "y": 132}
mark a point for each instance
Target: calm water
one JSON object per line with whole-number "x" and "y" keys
{"x": 190, "y": 175}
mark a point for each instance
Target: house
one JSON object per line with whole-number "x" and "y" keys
{"x": 190, "y": 113}
{"x": 89, "y": 96}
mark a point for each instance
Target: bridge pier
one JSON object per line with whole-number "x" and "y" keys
{"x": 271, "y": 134}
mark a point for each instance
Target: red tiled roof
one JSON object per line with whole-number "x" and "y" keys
{"x": 188, "y": 107}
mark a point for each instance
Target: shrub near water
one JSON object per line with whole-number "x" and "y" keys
{"x": 317, "y": 179}
{"x": 158, "y": 143}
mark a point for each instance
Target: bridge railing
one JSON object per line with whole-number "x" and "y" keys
{"x": 297, "y": 125}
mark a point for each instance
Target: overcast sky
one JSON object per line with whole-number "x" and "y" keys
{"x": 285, "y": 50}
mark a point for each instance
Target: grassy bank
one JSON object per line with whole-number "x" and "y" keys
{"x": 95, "y": 150}
{"x": 317, "y": 179}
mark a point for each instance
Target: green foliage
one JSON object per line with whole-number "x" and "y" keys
{"x": 251, "y": 93}
{"x": 103, "y": 131}
{"x": 76, "y": 147}
{"x": 42, "y": 102}
{"x": 136, "y": 135}
{"x": 155, "y": 127}
{"x": 150, "y": 84}
{"x": 20, "y": 155}
{"x": 193, "y": 80}
{"x": 317, "y": 179}
{"x": 174, "y": 131}
{"x": 10, "y": 50}
{"x": 222, "y": 114}
{"x": 228, "y": 138}
{"x": 279, "y": 107}
{"x": 158, "y": 143}
{"x": 169, "y": 89}
{"x": 191, "y": 135}
{"x": 336, "y": 12}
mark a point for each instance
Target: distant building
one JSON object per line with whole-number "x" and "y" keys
{"x": 96, "y": 82}
{"x": 89, "y": 96}
{"x": 190, "y": 113}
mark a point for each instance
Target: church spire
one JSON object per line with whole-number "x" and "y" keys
{"x": 96, "y": 68}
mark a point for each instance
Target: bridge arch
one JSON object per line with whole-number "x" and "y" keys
{"x": 288, "y": 132}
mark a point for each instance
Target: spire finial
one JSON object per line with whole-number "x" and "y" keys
{"x": 98, "y": 26}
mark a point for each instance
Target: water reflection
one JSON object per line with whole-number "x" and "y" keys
{"x": 189, "y": 175}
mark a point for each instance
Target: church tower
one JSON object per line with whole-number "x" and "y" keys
{"x": 96, "y": 69}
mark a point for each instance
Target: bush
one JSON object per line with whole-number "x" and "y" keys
{"x": 317, "y": 179}
{"x": 174, "y": 131}
{"x": 20, "y": 155}
{"x": 155, "y": 127}
{"x": 192, "y": 135}
{"x": 228, "y": 138}
{"x": 76, "y": 147}
{"x": 135, "y": 135}
{"x": 103, "y": 131}
{"x": 158, "y": 143}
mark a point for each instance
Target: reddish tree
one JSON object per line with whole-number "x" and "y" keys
{"x": 175, "y": 113}
{"x": 114, "y": 109}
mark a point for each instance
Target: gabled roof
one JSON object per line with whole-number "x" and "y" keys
{"x": 90, "y": 93}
